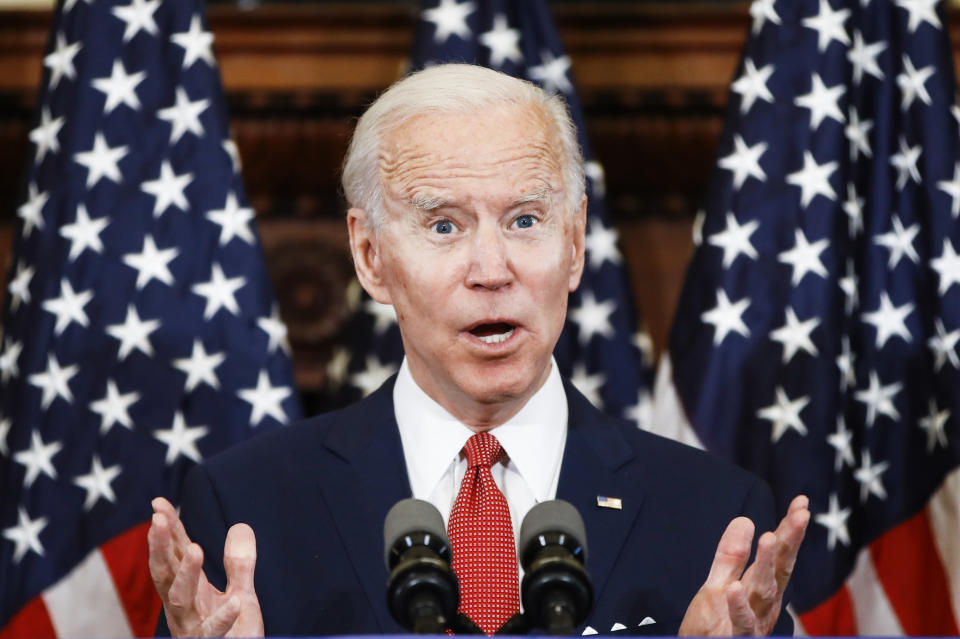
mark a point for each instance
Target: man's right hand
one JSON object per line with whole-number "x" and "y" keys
{"x": 193, "y": 607}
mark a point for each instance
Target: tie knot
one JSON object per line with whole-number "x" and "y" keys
{"x": 482, "y": 449}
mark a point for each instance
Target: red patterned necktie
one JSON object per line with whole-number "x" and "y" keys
{"x": 484, "y": 551}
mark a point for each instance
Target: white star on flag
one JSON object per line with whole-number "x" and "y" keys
{"x": 822, "y": 101}
{"x": 863, "y": 57}
{"x": 68, "y": 308}
{"x": 234, "y": 220}
{"x": 804, "y": 257}
{"x": 752, "y": 85}
{"x": 952, "y": 188}
{"x": 230, "y": 147}
{"x": 900, "y": 242}
{"x": 384, "y": 315}
{"x": 19, "y": 287}
{"x": 845, "y": 362}
{"x": 552, "y": 73}
{"x": 197, "y": 43}
{"x": 4, "y": 430}
{"x": 450, "y": 18}
{"x": 84, "y": 233}
{"x": 944, "y": 345}
{"x": 889, "y": 320}
{"x": 503, "y": 42}
{"x": 735, "y": 240}
{"x": 760, "y": 12}
{"x": 373, "y": 375}
{"x": 842, "y": 441}
{"x": 38, "y": 459}
{"x": 869, "y": 476}
{"x": 181, "y": 440}
{"x": 920, "y": 11}
{"x": 935, "y": 426}
{"x": 133, "y": 333}
{"x": 784, "y": 415}
{"x": 795, "y": 335}
{"x": 593, "y": 317}
{"x": 835, "y": 521}
{"x": 138, "y": 15}
{"x": 220, "y": 292}
{"x": 45, "y": 136}
{"x": 54, "y": 381}
{"x": 601, "y": 244}
{"x": 114, "y": 407}
{"x": 31, "y": 211}
{"x": 265, "y": 400}
{"x": 97, "y": 482}
{"x": 813, "y": 179}
{"x": 152, "y": 263}
{"x": 858, "y": 133}
{"x": 589, "y": 385}
{"x": 8, "y": 359}
{"x": 744, "y": 161}
{"x": 879, "y": 399}
{"x": 849, "y": 284}
{"x": 853, "y": 207}
{"x": 911, "y": 83}
{"x": 102, "y": 161}
{"x": 727, "y": 317}
{"x": 119, "y": 88}
{"x": 947, "y": 267}
{"x": 200, "y": 367}
{"x": 184, "y": 116}
{"x": 25, "y": 535}
{"x": 168, "y": 189}
{"x": 60, "y": 61}
{"x": 276, "y": 331}
{"x": 905, "y": 162}
{"x": 829, "y": 25}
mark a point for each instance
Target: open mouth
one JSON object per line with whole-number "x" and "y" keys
{"x": 493, "y": 333}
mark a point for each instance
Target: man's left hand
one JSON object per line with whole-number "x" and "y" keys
{"x": 734, "y": 602}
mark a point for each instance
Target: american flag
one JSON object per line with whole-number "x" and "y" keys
{"x": 816, "y": 338}
{"x": 140, "y": 332}
{"x": 601, "y": 349}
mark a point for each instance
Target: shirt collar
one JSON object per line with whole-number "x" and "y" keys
{"x": 432, "y": 438}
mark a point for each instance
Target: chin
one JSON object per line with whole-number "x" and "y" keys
{"x": 493, "y": 383}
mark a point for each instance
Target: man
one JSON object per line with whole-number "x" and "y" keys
{"x": 467, "y": 215}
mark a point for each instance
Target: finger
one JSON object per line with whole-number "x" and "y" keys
{"x": 240, "y": 558}
{"x": 800, "y": 502}
{"x": 222, "y": 619}
{"x": 180, "y": 538}
{"x": 742, "y": 620}
{"x": 181, "y": 601}
{"x": 760, "y": 581}
{"x": 790, "y": 534}
{"x": 732, "y": 553}
{"x": 162, "y": 561}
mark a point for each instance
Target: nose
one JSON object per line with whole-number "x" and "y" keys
{"x": 490, "y": 264}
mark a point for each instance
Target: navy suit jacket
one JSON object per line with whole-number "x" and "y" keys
{"x": 316, "y": 495}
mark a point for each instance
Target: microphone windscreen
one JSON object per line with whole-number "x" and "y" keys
{"x": 556, "y": 516}
{"x": 411, "y": 516}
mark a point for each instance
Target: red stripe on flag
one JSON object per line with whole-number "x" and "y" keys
{"x": 911, "y": 573}
{"x": 32, "y": 622}
{"x": 833, "y": 617}
{"x": 126, "y": 558}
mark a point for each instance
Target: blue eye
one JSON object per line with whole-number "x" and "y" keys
{"x": 525, "y": 221}
{"x": 444, "y": 227}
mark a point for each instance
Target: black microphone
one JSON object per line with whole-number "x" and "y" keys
{"x": 422, "y": 590}
{"x": 556, "y": 591}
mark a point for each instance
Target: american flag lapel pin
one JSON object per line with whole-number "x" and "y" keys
{"x": 609, "y": 502}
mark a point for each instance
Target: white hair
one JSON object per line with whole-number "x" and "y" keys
{"x": 450, "y": 88}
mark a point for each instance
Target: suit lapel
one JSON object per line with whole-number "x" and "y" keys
{"x": 360, "y": 491}
{"x": 596, "y": 462}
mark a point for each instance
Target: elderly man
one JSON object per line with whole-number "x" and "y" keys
{"x": 467, "y": 215}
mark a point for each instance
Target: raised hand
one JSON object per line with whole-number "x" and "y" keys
{"x": 734, "y": 602}
{"x": 193, "y": 607}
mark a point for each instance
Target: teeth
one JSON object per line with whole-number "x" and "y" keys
{"x": 496, "y": 339}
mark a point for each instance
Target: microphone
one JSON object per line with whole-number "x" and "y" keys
{"x": 422, "y": 590}
{"x": 556, "y": 591}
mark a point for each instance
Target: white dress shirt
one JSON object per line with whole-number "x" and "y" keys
{"x": 433, "y": 442}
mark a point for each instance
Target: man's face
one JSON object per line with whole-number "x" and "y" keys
{"x": 477, "y": 253}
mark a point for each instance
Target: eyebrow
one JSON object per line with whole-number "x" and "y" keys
{"x": 428, "y": 203}
{"x": 540, "y": 195}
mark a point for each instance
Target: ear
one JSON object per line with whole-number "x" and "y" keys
{"x": 365, "y": 248}
{"x": 578, "y": 244}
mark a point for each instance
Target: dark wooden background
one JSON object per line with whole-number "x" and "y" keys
{"x": 653, "y": 79}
